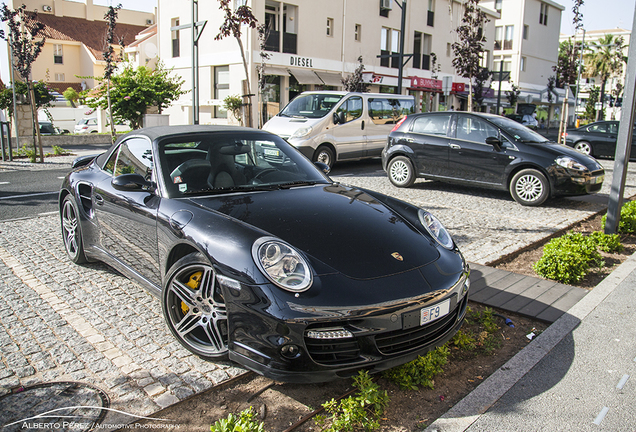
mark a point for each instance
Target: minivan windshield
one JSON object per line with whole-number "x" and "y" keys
{"x": 517, "y": 131}
{"x": 311, "y": 105}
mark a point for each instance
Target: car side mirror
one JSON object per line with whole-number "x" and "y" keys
{"x": 338, "y": 117}
{"x": 132, "y": 182}
{"x": 323, "y": 167}
{"x": 495, "y": 142}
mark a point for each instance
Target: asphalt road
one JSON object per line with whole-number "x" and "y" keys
{"x": 25, "y": 194}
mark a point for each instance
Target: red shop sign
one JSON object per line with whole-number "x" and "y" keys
{"x": 426, "y": 84}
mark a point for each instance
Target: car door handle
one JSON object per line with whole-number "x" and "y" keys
{"x": 409, "y": 140}
{"x": 455, "y": 147}
{"x": 362, "y": 124}
{"x": 98, "y": 199}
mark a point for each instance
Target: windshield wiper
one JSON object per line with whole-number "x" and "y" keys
{"x": 296, "y": 183}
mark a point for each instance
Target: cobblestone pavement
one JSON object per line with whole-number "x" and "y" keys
{"x": 60, "y": 321}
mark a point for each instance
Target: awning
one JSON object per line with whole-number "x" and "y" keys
{"x": 331, "y": 79}
{"x": 269, "y": 70}
{"x": 305, "y": 76}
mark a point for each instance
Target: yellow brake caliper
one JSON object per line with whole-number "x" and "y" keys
{"x": 195, "y": 280}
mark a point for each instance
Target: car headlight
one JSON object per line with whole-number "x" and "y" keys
{"x": 435, "y": 229}
{"x": 569, "y": 163}
{"x": 282, "y": 264}
{"x": 301, "y": 132}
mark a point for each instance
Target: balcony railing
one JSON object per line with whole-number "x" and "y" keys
{"x": 272, "y": 43}
{"x": 426, "y": 62}
{"x": 385, "y": 61}
{"x": 290, "y": 40}
{"x": 508, "y": 44}
{"x": 498, "y": 44}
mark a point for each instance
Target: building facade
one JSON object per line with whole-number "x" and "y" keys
{"x": 312, "y": 45}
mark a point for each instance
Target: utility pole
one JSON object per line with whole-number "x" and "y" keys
{"x": 196, "y": 34}
{"x": 401, "y": 54}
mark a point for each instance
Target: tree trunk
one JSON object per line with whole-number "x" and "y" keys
{"x": 470, "y": 95}
{"x": 36, "y": 125}
{"x": 247, "y": 80}
{"x": 601, "y": 112}
{"x": 113, "y": 137}
{"x": 563, "y": 122}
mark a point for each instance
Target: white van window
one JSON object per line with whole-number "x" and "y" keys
{"x": 432, "y": 125}
{"x": 352, "y": 108}
{"x": 389, "y": 110}
{"x": 310, "y": 106}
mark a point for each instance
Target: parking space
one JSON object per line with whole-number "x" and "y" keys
{"x": 60, "y": 321}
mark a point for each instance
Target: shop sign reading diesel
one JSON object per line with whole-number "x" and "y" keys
{"x": 301, "y": 61}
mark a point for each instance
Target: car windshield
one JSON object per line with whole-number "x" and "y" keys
{"x": 220, "y": 163}
{"x": 517, "y": 131}
{"x": 310, "y": 105}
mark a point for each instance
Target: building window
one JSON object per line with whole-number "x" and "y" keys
{"x": 59, "y": 77}
{"x": 221, "y": 88}
{"x": 389, "y": 44}
{"x": 58, "y": 56}
{"x": 385, "y": 7}
{"x": 175, "y": 37}
{"x": 510, "y": 31}
{"x": 543, "y": 15}
{"x": 484, "y": 60}
{"x": 498, "y": 38}
{"x": 430, "y": 15}
{"x": 522, "y": 64}
{"x": 498, "y": 5}
{"x": 329, "y": 26}
{"x": 526, "y": 31}
{"x": 290, "y": 33}
{"x": 357, "y": 33}
{"x": 507, "y": 63}
{"x": 448, "y": 49}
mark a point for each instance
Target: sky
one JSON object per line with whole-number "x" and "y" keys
{"x": 597, "y": 15}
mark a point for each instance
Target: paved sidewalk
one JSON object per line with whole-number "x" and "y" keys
{"x": 578, "y": 375}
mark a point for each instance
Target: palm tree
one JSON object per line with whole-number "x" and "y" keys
{"x": 605, "y": 59}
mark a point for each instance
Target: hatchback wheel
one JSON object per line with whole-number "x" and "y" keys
{"x": 325, "y": 155}
{"x": 72, "y": 232}
{"x": 530, "y": 187}
{"x": 584, "y": 147}
{"x": 194, "y": 307}
{"x": 401, "y": 172}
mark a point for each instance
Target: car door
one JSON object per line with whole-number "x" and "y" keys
{"x": 428, "y": 138}
{"x": 127, "y": 220}
{"x": 349, "y": 133}
{"x": 470, "y": 157}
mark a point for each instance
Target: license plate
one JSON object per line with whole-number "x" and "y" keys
{"x": 432, "y": 313}
{"x": 269, "y": 152}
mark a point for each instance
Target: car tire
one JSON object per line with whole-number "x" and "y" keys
{"x": 584, "y": 147}
{"x": 325, "y": 155}
{"x": 194, "y": 308}
{"x": 72, "y": 231}
{"x": 529, "y": 187}
{"x": 400, "y": 171}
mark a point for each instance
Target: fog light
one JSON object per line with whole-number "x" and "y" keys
{"x": 337, "y": 333}
{"x": 290, "y": 351}
{"x": 466, "y": 286}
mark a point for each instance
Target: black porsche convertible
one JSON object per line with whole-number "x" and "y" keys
{"x": 257, "y": 255}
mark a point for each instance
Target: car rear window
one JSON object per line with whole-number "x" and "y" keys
{"x": 432, "y": 125}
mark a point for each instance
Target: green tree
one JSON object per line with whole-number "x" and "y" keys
{"x": 605, "y": 59}
{"x": 590, "y": 106}
{"x": 43, "y": 96}
{"x": 71, "y": 95}
{"x": 470, "y": 46}
{"x": 133, "y": 91}
{"x": 481, "y": 79}
{"x": 109, "y": 58}
{"x": 26, "y": 40}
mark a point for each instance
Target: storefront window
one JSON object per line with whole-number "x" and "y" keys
{"x": 388, "y": 89}
{"x": 271, "y": 97}
{"x": 295, "y": 88}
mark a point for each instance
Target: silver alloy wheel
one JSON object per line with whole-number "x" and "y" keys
{"x": 324, "y": 156}
{"x": 399, "y": 171}
{"x": 584, "y": 147}
{"x": 529, "y": 187}
{"x": 196, "y": 311}
{"x": 70, "y": 231}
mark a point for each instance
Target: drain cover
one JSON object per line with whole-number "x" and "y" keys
{"x": 58, "y": 406}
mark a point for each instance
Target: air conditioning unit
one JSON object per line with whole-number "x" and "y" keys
{"x": 148, "y": 22}
{"x": 47, "y": 8}
{"x": 385, "y": 4}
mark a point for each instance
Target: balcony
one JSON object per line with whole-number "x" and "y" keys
{"x": 498, "y": 44}
{"x": 385, "y": 61}
{"x": 290, "y": 40}
{"x": 426, "y": 62}
{"x": 272, "y": 43}
{"x": 508, "y": 44}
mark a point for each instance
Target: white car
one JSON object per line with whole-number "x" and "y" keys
{"x": 89, "y": 125}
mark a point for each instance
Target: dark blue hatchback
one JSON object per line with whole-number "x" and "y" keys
{"x": 488, "y": 151}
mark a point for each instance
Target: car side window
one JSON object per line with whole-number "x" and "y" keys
{"x": 133, "y": 156}
{"x": 352, "y": 108}
{"x": 612, "y": 128}
{"x": 474, "y": 129}
{"x": 388, "y": 110}
{"x": 598, "y": 128}
{"x": 432, "y": 125}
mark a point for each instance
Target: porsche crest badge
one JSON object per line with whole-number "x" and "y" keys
{"x": 397, "y": 256}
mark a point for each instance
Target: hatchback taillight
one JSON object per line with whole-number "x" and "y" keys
{"x": 398, "y": 124}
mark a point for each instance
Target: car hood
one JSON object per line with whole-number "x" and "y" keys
{"x": 284, "y": 127}
{"x": 343, "y": 227}
{"x": 563, "y": 150}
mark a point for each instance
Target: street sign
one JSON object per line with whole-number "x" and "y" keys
{"x": 447, "y": 85}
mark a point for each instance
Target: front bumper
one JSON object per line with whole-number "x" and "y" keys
{"x": 566, "y": 182}
{"x": 382, "y": 336}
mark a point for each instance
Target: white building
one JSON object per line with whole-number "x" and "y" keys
{"x": 313, "y": 45}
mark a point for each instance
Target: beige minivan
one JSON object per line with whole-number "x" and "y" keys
{"x": 330, "y": 126}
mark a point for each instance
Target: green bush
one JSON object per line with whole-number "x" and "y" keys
{"x": 464, "y": 341}
{"x": 627, "y": 222}
{"x": 421, "y": 371}
{"x": 567, "y": 258}
{"x": 361, "y": 411}
{"x": 243, "y": 423}
{"x": 607, "y": 242}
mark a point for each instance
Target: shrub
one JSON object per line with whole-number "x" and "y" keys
{"x": 627, "y": 222}
{"x": 361, "y": 411}
{"x": 567, "y": 258}
{"x": 607, "y": 242}
{"x": 464, "y": 341}
{"x": 244, "y": 423}
{"x": 421, "y": 371}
